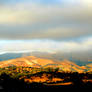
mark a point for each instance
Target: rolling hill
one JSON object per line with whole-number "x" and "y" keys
{"x": 28, "y": 61}
{"x": 32, "y": 61}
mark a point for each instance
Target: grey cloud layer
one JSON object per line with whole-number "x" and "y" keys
{"x": 32, "y": 21}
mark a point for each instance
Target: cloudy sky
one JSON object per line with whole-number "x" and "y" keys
{"x": 46, "y": 26}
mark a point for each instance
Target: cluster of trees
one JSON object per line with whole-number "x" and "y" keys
{"x": 15, "y": 85}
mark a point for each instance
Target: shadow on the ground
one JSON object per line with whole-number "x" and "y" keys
{"x": 9, "y": 84}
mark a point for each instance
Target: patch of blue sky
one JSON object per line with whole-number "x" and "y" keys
{"x": 77, "y": 39}
{"x": 43, "y": 2}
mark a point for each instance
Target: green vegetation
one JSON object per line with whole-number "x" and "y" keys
{"x": 16, "y": 72}
{"x": 20, "y": 72}
{"x": 27, "y": 77}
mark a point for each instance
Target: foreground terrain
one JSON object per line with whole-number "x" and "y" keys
{"x": 13, "y": 79}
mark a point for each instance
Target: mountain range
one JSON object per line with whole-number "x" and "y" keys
{"x": 32, "y": 61}
{"x": 46, "y": 55}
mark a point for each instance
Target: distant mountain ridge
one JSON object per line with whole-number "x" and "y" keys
{"x": 52, "y": 56}
{"x": 8, "y": 56}
{"x": 32, "y": 61}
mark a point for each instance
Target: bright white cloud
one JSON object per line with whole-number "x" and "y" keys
{"x": 87, "y": 2}
{"x": 46, "y": 46}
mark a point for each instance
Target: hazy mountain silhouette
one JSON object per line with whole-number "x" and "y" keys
{"x": 52, "y": 56}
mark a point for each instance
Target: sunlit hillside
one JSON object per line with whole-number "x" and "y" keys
{"x": 34, "y": 62}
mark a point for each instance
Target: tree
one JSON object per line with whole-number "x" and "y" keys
{"x": 57, "y": 69}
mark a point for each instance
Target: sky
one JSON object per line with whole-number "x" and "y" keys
{"x": 46, "y": 26}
